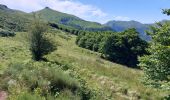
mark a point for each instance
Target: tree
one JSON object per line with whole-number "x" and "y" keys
{"x": 40, "y": 44}
{"x": 121, "y": 47}
{"x": 166, "y": 11}
{"x": 156, "y": 66}
{"x": 124, "y": 47}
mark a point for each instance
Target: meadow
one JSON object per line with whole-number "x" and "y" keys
{"x": 83, "y": 72}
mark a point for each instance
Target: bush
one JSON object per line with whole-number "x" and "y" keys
{"x": 41, "y": 78}
{"x": 40, "y": 44}
{"x": 5, "y": 33}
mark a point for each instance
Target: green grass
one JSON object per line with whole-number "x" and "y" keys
{"x": 12, "y": 50}
{"x": 112, "y": 79}
{"x": 108, "y": 80}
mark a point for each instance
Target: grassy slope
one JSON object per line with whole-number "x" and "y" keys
{"x": 51, "y": 15}
{"x": 12, "y": 50}
{"x": 112, "y": 80}
{"x": 13, "y": 19}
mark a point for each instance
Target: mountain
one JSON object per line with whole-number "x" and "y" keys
{"x": 13, "y": 19}
{"x": 53, "y": 16}
{"x": 16, "y": 20}
{"x": 123, "y": 25}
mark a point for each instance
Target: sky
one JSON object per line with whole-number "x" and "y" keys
{"x": 144, "y": 11}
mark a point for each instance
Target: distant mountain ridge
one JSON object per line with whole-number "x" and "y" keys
{"x": 123, "y": 25}
{"x": 16, "y": 20}
{"x": 54, "y": 16}
{"x": 13, "y": 19}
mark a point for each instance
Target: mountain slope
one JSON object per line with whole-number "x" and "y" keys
{"x": 13, "y": 19}
{"x": 106, "y": 79}
{"x": 70, "y": 20}
{"x": 123, "y": 25}
{"x": 17, "y": 20}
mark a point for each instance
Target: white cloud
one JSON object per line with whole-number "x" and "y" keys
{"x": 24, "y": 5}
{"x": 84, "y": 11}
{"x": 76, "y": 8}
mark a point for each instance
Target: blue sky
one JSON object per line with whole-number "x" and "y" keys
{"x": 145, "y": 11}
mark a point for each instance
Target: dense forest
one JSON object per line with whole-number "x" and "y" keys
{"x": 120, "y": 47}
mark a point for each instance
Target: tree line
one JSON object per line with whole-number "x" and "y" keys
{"x": 120, "y": 47}
{"x": 126, "y": 47}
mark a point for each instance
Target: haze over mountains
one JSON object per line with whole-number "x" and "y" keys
{"x": 17, "y": 20}
{"x": 123, "y": 25}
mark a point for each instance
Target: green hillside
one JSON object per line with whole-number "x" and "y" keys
{"x": 13, "y": 19}
{"x": 18, "y": 21}
{"x": 99, "y": 79}
{"x": 53, "y": 16}
{"x": 39, "y": 62}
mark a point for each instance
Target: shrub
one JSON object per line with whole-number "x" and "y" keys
{"x": 42, "y": 77}
{"x": 5, "y": 33}
{"x": 40, "y": 44}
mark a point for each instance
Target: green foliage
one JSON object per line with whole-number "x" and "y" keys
{"x": 124, "y": 47}
{"x": 117, "y": 47}
{"x": 28, "y": 96}
{"x": 68, "y": 95}
{"x": 90, "y": 71}
{"x": 91, "y": 40}
{"x": 156, "y": 65}
{"x": 65, "y": 28}
{"x": 5, "y": 33}
{"x": 40, "y": 44}
{"x": 40, "y": 78}
{"x": 166, "y": 11}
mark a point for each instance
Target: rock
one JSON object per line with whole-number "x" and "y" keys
{"x": 11, "y": 83}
